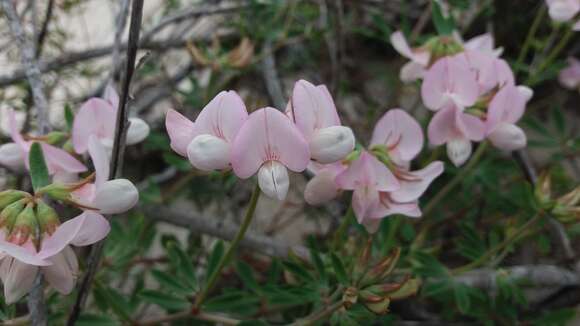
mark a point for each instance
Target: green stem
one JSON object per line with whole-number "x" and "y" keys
{"x": 530, "y": 36}
{"x": 232, "y": 248}
{"x": 507, "y": 242}
{"x": 445, "y": 191}
{"x": 319, "y": 315}
{"x": 532, "y": 80}
{"x": 345, "y": 223}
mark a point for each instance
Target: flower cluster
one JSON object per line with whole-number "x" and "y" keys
{"x": 266, "y": 142}
{"x": 380, "y": 178}
{"x": 96, "y": 117}
{"x": 32, "y": 238}
{"x": 473, "y": 94}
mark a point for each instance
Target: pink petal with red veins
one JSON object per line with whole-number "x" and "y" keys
{"x": 268, "y": 135}
{"x": 400, "y": 132}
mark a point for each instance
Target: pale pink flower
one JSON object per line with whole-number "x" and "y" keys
{"x": 569, "y": 77}
{"x": 367, "y": 177}
{"x": 414, "y": 69}
{"x": 491, "y": 72}
{"x": 314, "y": 113}
{"x": 563, "y": 10}
{"x": 505, "y": 109}
{"x": 107, "y": 196}
{"x": 322, "y": 187}
{"x": 450, "y": 81}
{"x": 207, "y": 142}
{"x": 268, "y": 143}
{"x": 58, "y": 161}
{"x": 484, "y": 43}
{"x": 457, "y": 129}
{"x": 19, "y": 264}
{"x": 97, "y": 117}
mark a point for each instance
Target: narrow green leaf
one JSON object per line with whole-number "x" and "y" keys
{"x": 183, "y": 264}
{"x": 443, "y": 25}
{"x": 38, "y": 169}
{"x": 247, "y": 275}
{"x": 214, "y": 258}
{"x": 69, "y": 116}
{"x": 96, "y": 320}
{"x": 164, "y": 300}
{"x": 298, "y": 271}
{"x": 462, "y": 299}
{"x": 318, "y": 264}
{"x": 339, "y": 270}
{"x": 170, "y": 282}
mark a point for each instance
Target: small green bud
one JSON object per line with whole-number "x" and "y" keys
{"x": 380, "y": 306}
{"x": 68, "y": 146}
{"x": 7, "y": 197}
{"x": 47, "y": 218}
{"x": 57, "y": 191}
{"x": 409, "y": 288}
{"x": 10, "y": 213}
{"x": 24, "y": 226}
{"x": 56, "y": 137}
{"x": 352, "y": 156}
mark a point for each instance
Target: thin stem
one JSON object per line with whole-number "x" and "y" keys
{"x": 530, "y": 36}
{"x": 318, "y": 315}
{"x": 533, "y": 79}
{"x": 508, "y": 241}
{"x": 432, "y": 204}
{"x": 121, "y": 127}
{"x": 340, "y": 232}
{"x": 232, "y": 248}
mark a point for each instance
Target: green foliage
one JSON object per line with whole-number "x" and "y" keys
{"x": 38, "y": 169}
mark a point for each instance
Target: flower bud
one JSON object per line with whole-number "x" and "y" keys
{"x": 56, "y": 137}
{"x": 273, "y": 180}
{"x": 383, "y": 268}
{"x": 459, "y": 150}
{"x": 331, "y": 144}
{"x": 10, "y": 213}
{"x": 526, "y": 92}
{"x": 321, "y": 188}
{"x": 7, "y": 197}
{"x": 378, "y": 305}
{"x": 208, "y": 152}
{"x": 11, "y": 156}
{"x": 349, "y": 297}
{"x": 543, "y": 189}
{"x": 508, "y": 137}
{"x": 138, "y": 131}
{"x": 47, "y": 218}
{"x": 116, "y": 196}
{"x": 24, "y": 227}
{"x": 570, "y": 199}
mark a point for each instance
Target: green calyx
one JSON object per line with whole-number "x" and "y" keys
{"x": 47, "y": 218}
{"x": 10, "y": 213}
{"x": 8, "y": 197}
{"x": 24, "y": 226}
{"x": 56, "y": 137}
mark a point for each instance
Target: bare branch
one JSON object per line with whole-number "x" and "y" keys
{"x": 31, "y": 67}
{"x": 121, "y": 22}
{"x": 270, "y": 76}
{"x": 117, "y": 153}
{"x": 216, "y": 228}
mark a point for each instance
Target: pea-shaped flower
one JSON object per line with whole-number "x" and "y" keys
{"x": 268, "y": 143}
{"x": 314, "y": 113}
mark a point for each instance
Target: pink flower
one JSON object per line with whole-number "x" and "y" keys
{"x": 107, "y": 196}
{"x": 569, "y": 77}
{"x": 19, "y": 263}
{"x": 379, "y": 188}
{"x": 457, "y": 129}
{"x": 268, "y": 143}
{"x": 414, "y": 69}
{"x": 563, "y": 10}
{"x": 322, "y": 187}
{"x": 314, "y": 113}
{"x": 97, "y": 117}
{"x": 207, "y": 142}
{"x": 450, "y": 81}
{"x": 367, "y": 177}
{"x": 490, "y": 71}
{"x": 483, "y": 43}
{"x": 505, "y": 109}
{"x": 58, "y": 161}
